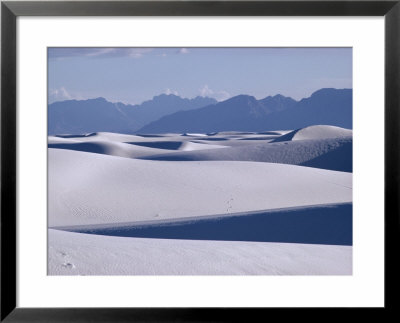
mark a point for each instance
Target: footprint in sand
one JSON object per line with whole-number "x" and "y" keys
{"x": 68, "y": 265}
{"x": 229, "y": 205}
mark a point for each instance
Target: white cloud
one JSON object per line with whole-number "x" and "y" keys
{"x": 219, "y": 95}
{"x": 139, "y": 52}
{"x": 183, "y": 51}
{"x": 169, "y": 91}
{"x": 59, "y": 94}
{"x": 206, "y": 91}
{"x": 222, "y": 96}
{"x": 98, "y": 52}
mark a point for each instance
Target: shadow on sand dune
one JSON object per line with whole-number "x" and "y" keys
{"x": 169, "y": 145}
{"x": 90, "y": 147}
{"x": 327, "y": 224}
{"x": 77, "y": 136}
{"x": 340, "y": 159}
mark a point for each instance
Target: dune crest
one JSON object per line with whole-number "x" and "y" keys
{"x": 316, "y": 132}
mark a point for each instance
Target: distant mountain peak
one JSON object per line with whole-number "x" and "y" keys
{"x": 173, "y": 97}
{"x": 276, "y": 96}
{"x": 165, "y": 95}
{"x": 281, "y": 97}
{"x": 100, "y": 99}
{"x": 325, "y": 91}
{"x": 200, "y": 98}
{"x": 241, "y": 99}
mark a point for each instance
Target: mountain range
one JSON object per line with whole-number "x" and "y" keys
{"x": 95, "y": 115}
{"x": 171, "y": 113}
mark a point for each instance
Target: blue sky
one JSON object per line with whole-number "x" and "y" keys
{"x": 133, "y": 75}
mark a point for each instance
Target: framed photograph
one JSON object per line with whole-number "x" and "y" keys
{"x": 195, "y": 161}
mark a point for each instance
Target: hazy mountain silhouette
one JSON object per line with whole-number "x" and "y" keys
{"x": 240, "y": 113}
{"x": 94, "y": 115}
{"x": 277, "y": 103}
{"x": 245, "y": 113}
{"x": 324, "y": 107}
{"x": 171, "y": 113}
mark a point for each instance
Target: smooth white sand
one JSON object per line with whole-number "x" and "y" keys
{"x": 87, "y": 188}
{"x": 87, "y": 254}
{"x": 99, "y": 179}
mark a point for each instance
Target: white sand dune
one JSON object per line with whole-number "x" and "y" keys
{"x": 192, "y": 146}
{"x": 316, "y": 132}
{"x": 87, "y": 188}
{"x": 175, "y": 145}
{"x": 100, "y": 136}
{"x": 112, "y": 148}
{"x": 194, "y": 134}
{"x": 125, "y": 145}
{"x": 299, "y": 152}
{"x": 73, "y": 253}
{"x": 124, "y": 138}
{"x": 62, "y": 140}
{"x": 280, "y": 218}
{"x": 275, "y": 132}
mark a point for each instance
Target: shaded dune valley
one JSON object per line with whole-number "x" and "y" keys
{"x": 223, "y": 202}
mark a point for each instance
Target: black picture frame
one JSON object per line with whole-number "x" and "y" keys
{"x": 10, "y": 10}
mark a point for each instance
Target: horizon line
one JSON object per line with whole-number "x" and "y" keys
{"x": 198, "y": 96}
